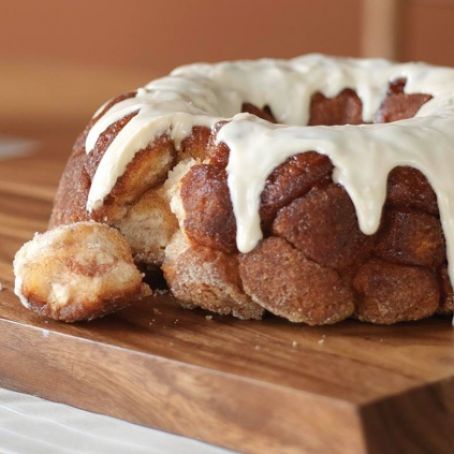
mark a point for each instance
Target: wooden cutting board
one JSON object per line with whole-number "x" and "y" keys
{"x": 259, "y": 387}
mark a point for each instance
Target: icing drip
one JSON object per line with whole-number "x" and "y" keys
{"x": 362, "y": 155}
{"x": 257, "y": 147}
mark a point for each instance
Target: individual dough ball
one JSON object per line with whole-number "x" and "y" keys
{"x": 399, "y": 105}
{"x": 149, "y": 227}
{"x": 278, "y": 277}
{"x": 208, "y": 213}
{"x": 70, "y": 203}
{"x": 324, "y": 227}
{"x": 292, "y": 179}
{"x": 409, "y": 188}
{"x": 265, "y": 112}
{"x": 207, "y": 278}
{"x": 411, "y": 238}
{"x": 218, "y": 153}
{"x": 345, "y": 108}
{"x": 389, "y": 293}
{"x": 202, "y": 147}
{"x": 196, "y": 145}
{"x": 77, "y": 272}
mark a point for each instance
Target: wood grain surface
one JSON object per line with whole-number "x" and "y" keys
{"x": 256, "y": 387}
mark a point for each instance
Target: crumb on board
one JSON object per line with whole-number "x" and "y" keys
{"x": 208, "y": 317}
{"x": 294, "y": 344}
{"x": 156, "y": 311}
{"x": 257, "y": 347}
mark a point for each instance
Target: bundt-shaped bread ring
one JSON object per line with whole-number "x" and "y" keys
{"x": 319, "y": 240}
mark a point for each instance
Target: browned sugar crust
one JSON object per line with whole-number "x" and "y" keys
{"x": 409, "y": 188}
{"x": 292, "y": 179}
{"x": 206, "y": 200}
{"x": 398, "y": 105}
{"x": 345, "y": 108}
{"x": 207, "y": 278}
{"x": 314, "y": 265}
{"x": 282, "y": 280}
{"x": 411, "y": 238}
{"x": 323, "y": 226}
{"x": 389, "y": 293}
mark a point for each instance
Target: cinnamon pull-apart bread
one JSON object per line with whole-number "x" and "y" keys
{"x": 317, "y": 189}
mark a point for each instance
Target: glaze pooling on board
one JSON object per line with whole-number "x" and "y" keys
{"x": 363, "y": 156}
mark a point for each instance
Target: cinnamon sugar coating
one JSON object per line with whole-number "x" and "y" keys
{"x": 398, "y": 105}
{"x": 72, "y": 193}
{"x": 389, "y": 293}
{"x": 314, "y": 265}
{"x": 345, "y": 108}
{"x": 411, "y": 238}
{"x": 196, "y": 144}
{"x": 324, "y": 227}
{"x": 204, "y": 277}
{"x": 209, "y": 218}
{"x": 409, "y": 188}
{"x": 282, "y": 280}
{"x": 292, "y": 179}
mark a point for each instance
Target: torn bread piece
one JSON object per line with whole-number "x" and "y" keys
{"x": 77, "y": 272}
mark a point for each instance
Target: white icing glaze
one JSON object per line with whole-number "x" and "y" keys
{"x": 202, "y": 94}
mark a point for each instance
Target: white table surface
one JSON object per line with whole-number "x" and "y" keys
{"x": 30, "y": 425}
